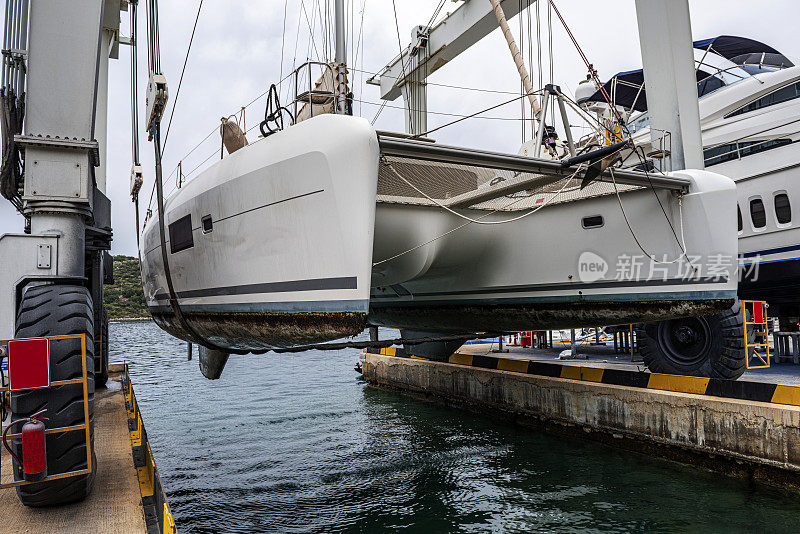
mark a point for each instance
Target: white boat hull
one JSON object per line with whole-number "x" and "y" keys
{"x": 297, "y": 244}
{"x": 288, "y": 260}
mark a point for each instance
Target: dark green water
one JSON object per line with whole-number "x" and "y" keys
{"x": 299, "y": 443}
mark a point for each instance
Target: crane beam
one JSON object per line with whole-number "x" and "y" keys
{"x": 457, "y": 32}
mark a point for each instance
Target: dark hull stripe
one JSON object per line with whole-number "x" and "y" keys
{"x": 577, "y": 286}
{"x": 316, "y": 284}
{"x": 769, "y": 251}
{"x": 712, "y": 387}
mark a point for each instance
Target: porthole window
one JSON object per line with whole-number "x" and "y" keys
{"x": 757, "y": 213}
{"x": 739, "y": 217}
{"x": 208, "y": 224}
{"x": 594, "y": 221}
{"x": 783, "y": 210}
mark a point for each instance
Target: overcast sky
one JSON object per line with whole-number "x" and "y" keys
{"x": 237, "y": 54}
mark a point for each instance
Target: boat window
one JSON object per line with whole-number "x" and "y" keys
{"x": 709, "y": 85}
{"x": 783, "y": 94}
{"x": 722, "y": 153}
{"x": 208, "y": 224}
{"x": 757, "y": 213}
{"x": 783, "y": 210}
{"x": 594, "y": 221}
{"x": 739, "y": 217}
{"x": 180, "y": 234}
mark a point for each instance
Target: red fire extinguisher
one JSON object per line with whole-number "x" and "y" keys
{"x": 34, "y": 457}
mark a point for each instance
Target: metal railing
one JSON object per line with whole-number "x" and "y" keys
{"x": 49, "y": 431}
{"x": 313, "y": 96}
{"x": 758, "y": 311}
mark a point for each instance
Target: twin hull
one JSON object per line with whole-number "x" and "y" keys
{"x": 284, "y": 243}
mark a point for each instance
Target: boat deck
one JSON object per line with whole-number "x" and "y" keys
{"x": 115, "y": 504}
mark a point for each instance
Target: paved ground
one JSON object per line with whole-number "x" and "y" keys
{"x": 604, "y": 356}
{"x": 115, "y": 502}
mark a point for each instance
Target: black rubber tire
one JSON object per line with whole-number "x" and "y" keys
{"x": 102, "y": 346}
{"x": 48, "y": 311}
{"x": 717, "y": 352}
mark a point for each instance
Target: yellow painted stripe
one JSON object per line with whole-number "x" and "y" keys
{"x": 507, "y": 364}
{"x": 418, "y": 358}
{"x": 571, "y": 371}
{"x": 681, "y": 384}
{"x": 169, "y": 522}
{"x": 592, "y": 374}
{"x": 588, "y": 374}
{"x": 787, "y": 395}
{"x": 461, "y": 359}
{"x": 145, "y": 481}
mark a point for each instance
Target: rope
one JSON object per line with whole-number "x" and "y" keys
{"x": 517, "y": 56}
{"x": 469, "y": 220}
{"x": 478, "y": 221}
{"x": 681, "y": 243}
{"x": 180, "y": 82}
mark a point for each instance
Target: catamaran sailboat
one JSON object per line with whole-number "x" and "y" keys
{"x": 314, "y": 231}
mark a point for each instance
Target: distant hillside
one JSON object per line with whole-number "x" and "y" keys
{"x": 125, "y": 298}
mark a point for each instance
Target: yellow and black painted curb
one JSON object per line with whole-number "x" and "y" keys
{"x": 712, "y": 387}
{"x": 157, "y": 514}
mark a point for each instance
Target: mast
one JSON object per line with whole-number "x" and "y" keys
{"x": 340, "y": 59}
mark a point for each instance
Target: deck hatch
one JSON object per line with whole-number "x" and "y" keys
{"x": 180, "y": 234}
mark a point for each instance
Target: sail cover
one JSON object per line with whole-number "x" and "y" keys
{"x": 626, "y": 89}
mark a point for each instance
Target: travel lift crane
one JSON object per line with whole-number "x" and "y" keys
{"x": 55, "y": 83}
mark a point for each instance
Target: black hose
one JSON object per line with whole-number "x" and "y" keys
{"x": 173, "y": 297}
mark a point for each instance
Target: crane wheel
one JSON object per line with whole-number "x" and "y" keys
{"x": 49, "y": 310}
{"x": 709, "y": 346}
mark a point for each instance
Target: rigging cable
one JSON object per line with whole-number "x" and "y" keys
{"x": 180, "y": 82}
{"x": 135, "y": 110}
{"x": 415, "y": 136}
{"x": 681, "y": 242}
{"x": 402, "y": 64}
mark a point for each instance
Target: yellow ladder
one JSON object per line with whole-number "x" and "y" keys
{"x": 758, "y": 311}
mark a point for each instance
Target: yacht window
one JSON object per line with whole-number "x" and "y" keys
{"x": 722, "y": 153}
{"x": 180, "y": 234}
{"x": 783, "y": 94}
{"x": 783, "y": 210}
{"x": 739, "y": 217}
{"x": 595, "y": 221}
{"x": 757, "y": 213}
{"x": 709, "y": 85}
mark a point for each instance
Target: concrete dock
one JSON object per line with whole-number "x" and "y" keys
{"x": 118, "y": 501}
{"x": 749, "y": 428}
